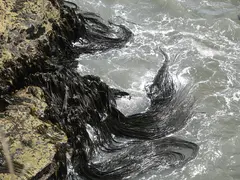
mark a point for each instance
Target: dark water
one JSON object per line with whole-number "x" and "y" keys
{"x": 202, "y": 39}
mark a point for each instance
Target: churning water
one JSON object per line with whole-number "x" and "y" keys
{"x": 202, "y": 39}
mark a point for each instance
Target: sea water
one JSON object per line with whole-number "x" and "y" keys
{"x": 202, "y": 40}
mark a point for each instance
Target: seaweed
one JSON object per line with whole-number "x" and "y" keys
{"x": 85, "y": 109}
{"x": 103, "y": 143}
{"x": 100, "y": 36}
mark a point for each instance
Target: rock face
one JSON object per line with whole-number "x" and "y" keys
{"x": 31, "y": 32}
{"x": 32, "y": 142}
{"x": 24, "y": 26}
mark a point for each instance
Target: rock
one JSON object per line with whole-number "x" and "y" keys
{"x": 31, "y": 33}
{"x": 32, "y": 142}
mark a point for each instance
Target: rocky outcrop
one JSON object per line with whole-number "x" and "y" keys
{"x": 32, "y": 34}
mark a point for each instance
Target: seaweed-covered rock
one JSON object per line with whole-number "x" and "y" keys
{"x": 31, "y": 33}
{"x": 35, "y": 37}
{"x": 32, "y": 143}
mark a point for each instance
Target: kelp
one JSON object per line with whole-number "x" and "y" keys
{"x": 85, "y": 109}
{"x": 97, "y": 34}
{"x": 103, "y": 143}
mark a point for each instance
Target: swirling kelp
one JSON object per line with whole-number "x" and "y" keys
{"x": 102, "y": 142}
